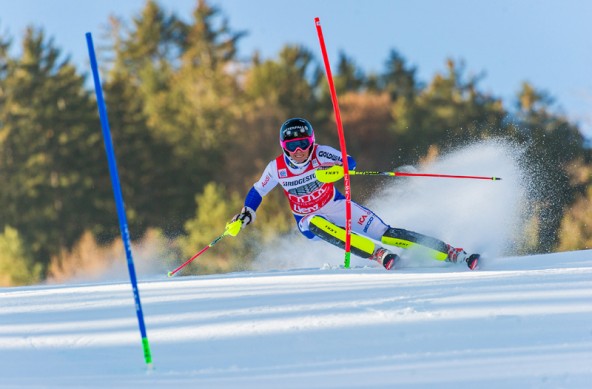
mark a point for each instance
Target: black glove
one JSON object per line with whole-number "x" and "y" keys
{"x": 247, "y": 216}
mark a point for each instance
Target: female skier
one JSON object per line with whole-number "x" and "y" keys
{"x": 319, "y": 209}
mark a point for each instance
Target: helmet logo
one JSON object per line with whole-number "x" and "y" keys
{"x": 290, "y": 131}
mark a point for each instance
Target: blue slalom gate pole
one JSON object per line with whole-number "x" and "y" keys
{"x": 118, "y": 197}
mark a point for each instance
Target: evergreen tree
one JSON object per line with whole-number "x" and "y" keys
{"x": 5, "y": 63}
{"x": 48, "y": 149}
{"x": 156, "y": 38}
{"x": 399, "y": 80}
{"x": 173, "y": 110}
{"x": 349, "y": 77}
{"x": 197, "y": 116}
{"x": 144, "y": 59}
{"x": 147, "y": 168}
{"x": 16, "y": 262}
{"x": 288, "y": 83}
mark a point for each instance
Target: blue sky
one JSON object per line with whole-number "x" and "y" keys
{"x": 547, "y": 43}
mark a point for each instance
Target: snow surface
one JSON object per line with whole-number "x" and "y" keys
{"x": 517, "y": 322}
{"x": 299, "y": 321}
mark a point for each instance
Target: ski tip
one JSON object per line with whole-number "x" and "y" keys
{"x": 170, "y": 274}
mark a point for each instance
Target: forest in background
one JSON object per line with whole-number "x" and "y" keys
{"x": 194, "y": 126}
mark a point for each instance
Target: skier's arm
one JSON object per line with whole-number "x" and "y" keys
{"x": 247, "y": 214}
{"x": 255, "y": 195}
{"x": 253, "y": 199}
{"x": 351, "y": 163}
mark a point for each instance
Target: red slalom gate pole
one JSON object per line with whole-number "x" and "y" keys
{"x": 346, "y": 178}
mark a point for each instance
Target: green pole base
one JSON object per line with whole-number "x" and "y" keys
{"x": 347, "y": 259}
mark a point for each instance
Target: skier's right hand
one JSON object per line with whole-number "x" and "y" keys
{"x": 246, "y": 216}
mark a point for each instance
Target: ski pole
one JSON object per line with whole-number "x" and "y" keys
{"x": 232, "y": 229}
{"x": 334, "y": 173}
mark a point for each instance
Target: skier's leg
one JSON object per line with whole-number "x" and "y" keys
{"x": 367, "y": 223}
{"x": 363, "y": 221}
{"x": 360, "y": 245}
{"x": 407, "y": 239}
{"x": 439, "y": 250}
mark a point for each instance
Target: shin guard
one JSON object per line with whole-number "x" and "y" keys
{"x": 407, "y": 239}
{"x": 329, "y": 232}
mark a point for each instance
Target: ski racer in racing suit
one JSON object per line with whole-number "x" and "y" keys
{"x": 319, "y": 208}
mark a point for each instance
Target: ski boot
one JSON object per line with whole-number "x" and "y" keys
{"x": 458, "y": 255}
{"x": 385, "y": 257}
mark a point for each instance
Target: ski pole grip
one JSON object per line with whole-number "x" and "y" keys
{"x": 233, "y": 228}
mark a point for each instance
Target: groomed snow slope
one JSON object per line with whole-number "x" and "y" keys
{"x": 517, "y": 322}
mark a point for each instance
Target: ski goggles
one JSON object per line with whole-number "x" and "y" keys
{"x": 294, "y": 144}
